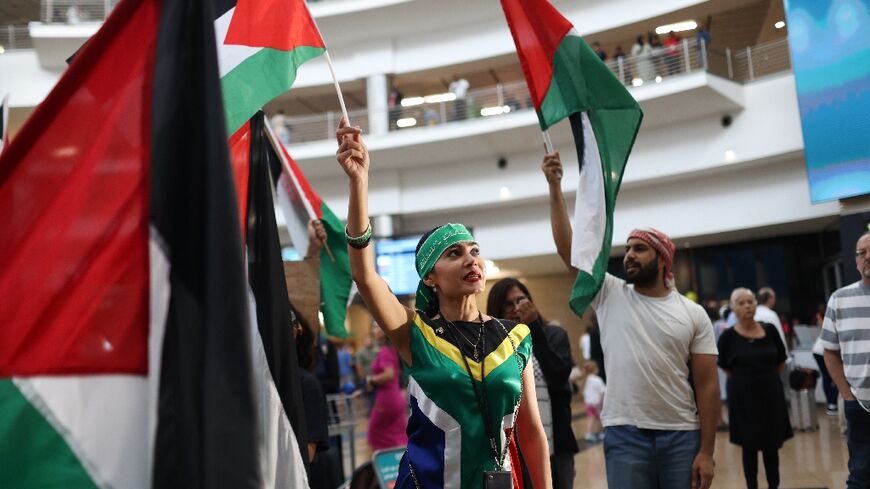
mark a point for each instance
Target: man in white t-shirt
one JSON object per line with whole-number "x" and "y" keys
{"x": 662, "y": 406}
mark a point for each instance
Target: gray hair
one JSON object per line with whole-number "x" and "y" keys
{"x": 738, "y": 292}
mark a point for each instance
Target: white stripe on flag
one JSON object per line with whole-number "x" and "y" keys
{"x": 291, "y": 198}
{"x": 109, "y": 421}
{"x": 281, "y": 462}
{"x": 229, "y": 55}
{"x": 160, "y": 289}
{"x": 590, "y": 210}
{"x": 102, "y": 418}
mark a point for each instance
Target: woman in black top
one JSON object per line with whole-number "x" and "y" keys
{"x": 753, "y": 355}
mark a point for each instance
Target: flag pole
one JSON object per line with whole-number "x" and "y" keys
{"x": 337, "y": 88}
{"x": 548, "y": 145}
{"x": 285, "y": 165}
{"x": 331, "y": 67}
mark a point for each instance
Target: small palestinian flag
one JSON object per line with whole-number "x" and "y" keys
{"x": 261, "y": 44}
{"x": 301, "y": 204}
{"x": 126, "y": 355}
{"x": 567, "y": 79}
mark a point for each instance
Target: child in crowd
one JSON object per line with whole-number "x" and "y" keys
{"x": 593, "y": 396}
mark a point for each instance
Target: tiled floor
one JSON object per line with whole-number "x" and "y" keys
{"x": 809, "y": 460}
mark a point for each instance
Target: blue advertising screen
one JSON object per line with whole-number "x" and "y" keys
{"x": 830, "y": 50}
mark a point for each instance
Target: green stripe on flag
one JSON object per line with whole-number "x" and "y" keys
{"x": 32, "y": 452}
{"x": 259, "y": 79}
{"x": 581, "y": 82}
{"x": 335, "y": 279}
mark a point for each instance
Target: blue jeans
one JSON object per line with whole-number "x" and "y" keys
{"x": 858, "y": 439}
{"x": 637, "y": 458}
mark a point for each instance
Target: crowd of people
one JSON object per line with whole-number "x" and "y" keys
{"x": 487, "y": 397}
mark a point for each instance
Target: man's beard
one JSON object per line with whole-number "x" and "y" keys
{"x": 646, "y": 276}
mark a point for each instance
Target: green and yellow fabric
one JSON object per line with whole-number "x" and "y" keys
{"x": 447, "y": 441}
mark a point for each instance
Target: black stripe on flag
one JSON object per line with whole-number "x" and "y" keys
{"x": 266, "y": 276}
{"x": 207, "y": 422}
{"x": 579, "y": 142}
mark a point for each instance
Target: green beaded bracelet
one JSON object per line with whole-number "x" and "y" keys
{"x": 359, "y": 242}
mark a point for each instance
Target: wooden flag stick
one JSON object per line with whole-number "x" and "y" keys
{"x": 337, "y": 88}
{"x": 548, "y": 145}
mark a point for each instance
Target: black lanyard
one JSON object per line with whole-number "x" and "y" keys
{"x": 480, "y": 395}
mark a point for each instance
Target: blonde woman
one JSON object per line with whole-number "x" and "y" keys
{"x": 753, "y": 356}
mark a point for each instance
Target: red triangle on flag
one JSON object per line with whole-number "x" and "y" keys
{"x": 278, "y": 24}
{"x": 538, "y": 29}
{"x": 74, "y": 260}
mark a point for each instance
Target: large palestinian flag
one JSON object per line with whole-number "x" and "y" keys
{"x": 567, "y": 79}
{"x": 125, "y": 351}
{"x": 278, "y": 389}
{"x": 261, "y": 44}
{"x": 301, "y": 204}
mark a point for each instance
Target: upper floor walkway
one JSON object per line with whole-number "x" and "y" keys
{"x": 660, "y": 74}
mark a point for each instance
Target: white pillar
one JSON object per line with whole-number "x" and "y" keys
{"x": 377, "y": 94}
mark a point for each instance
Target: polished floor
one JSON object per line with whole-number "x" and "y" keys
{"x": 809, "y": 460}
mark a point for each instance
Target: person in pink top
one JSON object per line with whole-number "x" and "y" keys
{"x": 389, "y": 417}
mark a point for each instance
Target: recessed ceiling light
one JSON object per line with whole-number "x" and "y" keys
{"x": 780, "y": 24}
{"x": 686, "y": 25}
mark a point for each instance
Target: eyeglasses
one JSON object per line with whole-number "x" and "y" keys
{"x": 508, "y": 305}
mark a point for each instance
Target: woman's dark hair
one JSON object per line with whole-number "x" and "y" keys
{"x": 497, "y": 298}
{"x": 306, "y": 347}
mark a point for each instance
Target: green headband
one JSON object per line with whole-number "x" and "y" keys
{"x": 430, "y": 251}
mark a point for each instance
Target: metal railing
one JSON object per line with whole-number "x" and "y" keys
{"x": 14, "y": 37}
{"x": 500, "y": 99}
{"x": 345, "y": 411}
{"x": 75, "y": 11}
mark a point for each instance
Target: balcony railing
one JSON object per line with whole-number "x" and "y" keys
{"x": 75, "y": 11}
{"x": 634, "y": 71}
{"x": 14, "y": 37}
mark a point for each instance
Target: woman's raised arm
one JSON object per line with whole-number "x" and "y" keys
{"x": 388, "y": 312}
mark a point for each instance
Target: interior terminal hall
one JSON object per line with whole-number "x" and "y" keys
{"x": 221, "y": 218}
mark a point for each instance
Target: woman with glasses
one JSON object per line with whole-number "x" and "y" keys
{"x": 552, "y": 363}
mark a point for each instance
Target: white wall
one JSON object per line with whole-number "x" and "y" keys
{"x": 23, "y": 79}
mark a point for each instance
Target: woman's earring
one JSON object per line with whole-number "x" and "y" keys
{"x": 434, "y": 288}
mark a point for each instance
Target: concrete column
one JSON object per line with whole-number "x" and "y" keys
{"x": 377, "y": 94}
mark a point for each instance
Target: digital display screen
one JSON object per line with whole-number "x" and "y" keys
{"x": 395, "y": 263}
{"x": 830, "y": 51}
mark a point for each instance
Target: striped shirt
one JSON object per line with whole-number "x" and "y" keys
{"x": 847, "y": 329}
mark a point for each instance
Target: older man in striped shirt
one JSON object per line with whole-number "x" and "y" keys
{"x": 846, "y": 339}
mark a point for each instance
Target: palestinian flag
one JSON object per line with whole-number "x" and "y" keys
{"x": 276, "y": 377}
{"x": 567, "y": 79}
{"x": 301, "y": 204}
{"x": 4, "y": 122}
{"x": 261, "y": 44}
{"x": 125, "y": 355}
